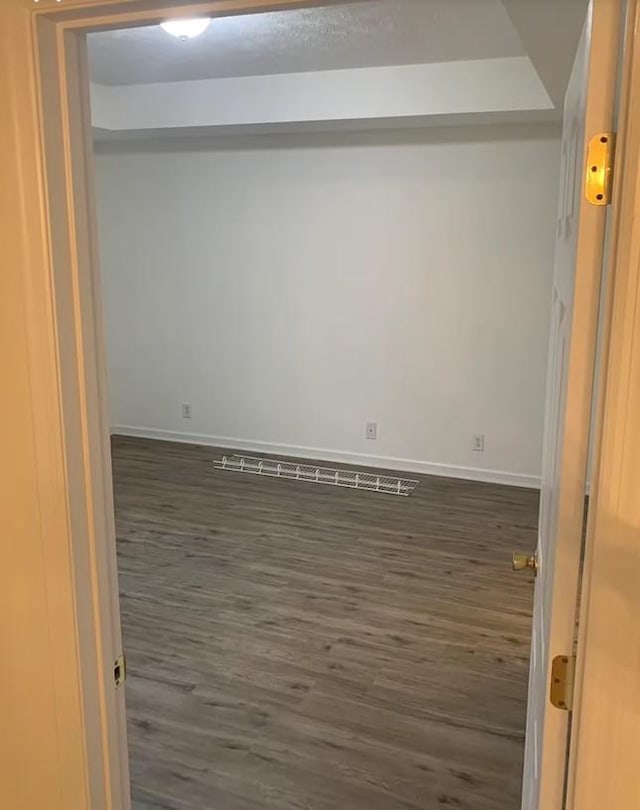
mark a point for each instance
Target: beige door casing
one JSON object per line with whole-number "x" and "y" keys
{"x": 64, "y": 740}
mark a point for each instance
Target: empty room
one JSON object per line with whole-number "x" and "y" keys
{"x": 332, "y": 338}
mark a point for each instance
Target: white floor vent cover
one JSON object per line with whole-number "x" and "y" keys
{"x": 355, "y": 479}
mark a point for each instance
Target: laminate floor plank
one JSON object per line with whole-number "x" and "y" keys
{"x": 302, "y": 647}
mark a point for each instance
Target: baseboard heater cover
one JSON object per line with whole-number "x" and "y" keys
{"x": 354, "y": 479}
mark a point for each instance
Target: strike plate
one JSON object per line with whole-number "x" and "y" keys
{"x": 119, "y": 671}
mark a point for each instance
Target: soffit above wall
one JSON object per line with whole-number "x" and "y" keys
{"x": 397, "y": 92}
{"x": 340, "y": 65}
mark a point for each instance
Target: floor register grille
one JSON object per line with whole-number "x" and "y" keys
{"x": 311, "y": 473}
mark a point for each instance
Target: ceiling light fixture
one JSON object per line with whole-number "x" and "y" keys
{"x": 186, "y": 29}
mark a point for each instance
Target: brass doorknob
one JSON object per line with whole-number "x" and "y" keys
{"x": 520, "y": 562}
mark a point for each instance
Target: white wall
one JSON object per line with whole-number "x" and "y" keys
{"x": 389, "y": 92}
{"x": 293, "y": 287}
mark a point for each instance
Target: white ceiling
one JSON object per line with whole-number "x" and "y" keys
{"x": 350, "y": 35}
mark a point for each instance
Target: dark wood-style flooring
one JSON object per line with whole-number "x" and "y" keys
{"x": 293, "y": 646}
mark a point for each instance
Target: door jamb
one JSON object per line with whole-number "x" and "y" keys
{"x": 605, "y": 737}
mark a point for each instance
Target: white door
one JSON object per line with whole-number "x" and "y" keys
{"x": 588, "y": 110}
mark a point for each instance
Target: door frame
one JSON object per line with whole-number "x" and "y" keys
{"x": 604, "y": 746}
{"x": 66, "y": 718}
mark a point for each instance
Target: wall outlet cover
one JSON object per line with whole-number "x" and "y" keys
{"x": 478, "y": 443}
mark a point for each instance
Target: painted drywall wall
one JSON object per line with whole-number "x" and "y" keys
{"x": 292, "y": 288}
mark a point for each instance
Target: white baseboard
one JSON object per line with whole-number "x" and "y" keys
{"x": 338, "y": 456}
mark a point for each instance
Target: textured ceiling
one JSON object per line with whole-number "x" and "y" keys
{"x": 362, "y": 34}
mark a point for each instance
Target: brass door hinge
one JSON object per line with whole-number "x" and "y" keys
{"x": 599, "y": 169}
{"x": 563, "y": 669}
{"x": 119, "y": 670}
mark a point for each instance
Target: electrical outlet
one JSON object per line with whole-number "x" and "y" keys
{"x": 371, "y": 430}
{"x": 478, "y": 443}
{"x": 186, "y": 410}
